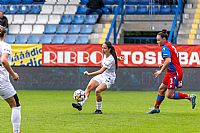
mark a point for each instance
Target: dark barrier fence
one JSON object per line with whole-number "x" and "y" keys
{"x": 71, "y": 78}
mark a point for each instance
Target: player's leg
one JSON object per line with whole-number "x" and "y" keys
{"x": 173, "y": 94}
{"x": 16, "y": 112}
{"x": 160, "y": 97}
{"x": 102, "y": 87}
{"x": 91, "y": 85}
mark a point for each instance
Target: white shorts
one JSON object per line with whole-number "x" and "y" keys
{"x": 6, "y": 89}
{"x": 103, "y": 79}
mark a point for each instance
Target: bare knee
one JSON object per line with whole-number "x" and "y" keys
{"x": 161, "y": 92}
{"x": 13, "y": 101}
{"x": 98, "y": 92}
{"x": 170, "y": 95}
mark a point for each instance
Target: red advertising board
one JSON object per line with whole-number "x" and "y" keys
{"x": 135, "y": 55}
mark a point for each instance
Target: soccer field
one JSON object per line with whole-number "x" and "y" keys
{"x": 123, "y": 112}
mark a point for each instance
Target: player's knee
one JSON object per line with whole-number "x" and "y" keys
{"x": 97, "y": 92}
{"x": 16, "y": 100}
{"x": 90, "y": 86}
{"x": 170, "y": 95}
{"x": 161, "y": 92}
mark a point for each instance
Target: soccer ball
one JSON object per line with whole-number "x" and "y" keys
{"x": 79, "y": 95}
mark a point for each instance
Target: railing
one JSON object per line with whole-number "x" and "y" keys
{"x": 175, "y": 25}
{"x": 113, "y": 26}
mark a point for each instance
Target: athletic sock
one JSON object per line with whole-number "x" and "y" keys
{"x": 16, "y": 119}
{"x": 99, "y": 105}
{"x": 81, "y": 103}
{"x": 159, "y": 101}
{"x": 180, "y": 95}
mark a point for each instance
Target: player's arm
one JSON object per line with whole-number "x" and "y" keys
{"x": 164, "y": 66}
{"x": 120, "y": 58}
{"x": 4, "y": 60}
{"x": 100, "y": 71}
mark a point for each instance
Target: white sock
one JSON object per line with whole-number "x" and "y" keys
{"x": 99, "y": 105}
{"x": 81, "y": 103}
{"x": 16, "y": 119}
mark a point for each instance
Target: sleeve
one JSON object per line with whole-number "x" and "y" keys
{"x": 6, "y": 49}
{"x": 107, "y": 64}
{"x": 166, "y": 53}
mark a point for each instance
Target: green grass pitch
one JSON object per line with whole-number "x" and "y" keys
{"x": 124, "y": 112}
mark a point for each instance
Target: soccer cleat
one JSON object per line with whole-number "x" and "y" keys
{"x": 193, "y": 100}
{"x": 98, "y": 112}
{"x": 153, "y": 111}
{"x": 77, "y": 106}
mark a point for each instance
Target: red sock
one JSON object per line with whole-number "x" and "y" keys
{"x": 159, "y": 101}
{"x": 183, "y": 95}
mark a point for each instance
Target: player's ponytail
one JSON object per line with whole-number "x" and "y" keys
{"x": 112, "y": 51}
{"x": 163, "y": 34}
{"x": 2, "y": 31}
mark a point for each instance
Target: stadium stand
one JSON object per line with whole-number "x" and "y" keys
{"x": 46, "y": 21}
{"x": 189, "y": 32}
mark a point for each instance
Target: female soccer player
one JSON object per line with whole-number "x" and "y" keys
{"x": 7, "y": 91}
{"x": 173, "y": 76}
{"x": 104, "y": 78}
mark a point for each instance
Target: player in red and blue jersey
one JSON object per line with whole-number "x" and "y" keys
{"x": 173, "y": 76}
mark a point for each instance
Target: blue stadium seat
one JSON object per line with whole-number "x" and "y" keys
{"x": 66, "y": 19}
{"x": 23, "y": 9}
{"x": 107, "y": 10}
{"x": 10, "y": 39}
{"x": 130, "y": 9}
{"x": 165, "y": 9}
{"x": 21, "y": 39}
{"x": 75, "y": 29}
{"x": 34, "y": 39}
{"x": 109, "y": 2}
{"x": 82, "y": 39}
{"x": 86, "y": 29}
{"x": 145, "y": 2}
{"x": 90, "y": 19}
{"x": 27, "y": 1}
{"x": 35, "y": 9}
{"x": 3, "y": 8}
{"x": 78, "y": 19}
{"x": 50, "y": 29}
{"x": 70, "y": 39}
{"x": 12, "y": 9}
{"x": 4, "y": 2}
{"x": 58, "y": 39}
{"x": 153, "y": 10}
{"x": 15, "y": 1}
{"x": 46, "y": 39}
{"x": 81, "y": 10}
{"x": 84, "y": 2}
{"x": 142, "y": 9}
{"x": 133, "y": 2}
{"x": 62, "y": 29}
{"x": 174, "y": 8}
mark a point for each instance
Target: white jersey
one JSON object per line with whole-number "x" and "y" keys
{"x": 109, "y": 63}
{"x": 6, "y": 88}
{"x": 5, "y": 48}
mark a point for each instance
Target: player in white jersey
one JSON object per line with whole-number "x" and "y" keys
{"x": 104, "y": 78}
{"x": 7, "y": 91}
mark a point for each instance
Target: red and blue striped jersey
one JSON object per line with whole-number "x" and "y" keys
{"x": 169, "y": 51}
